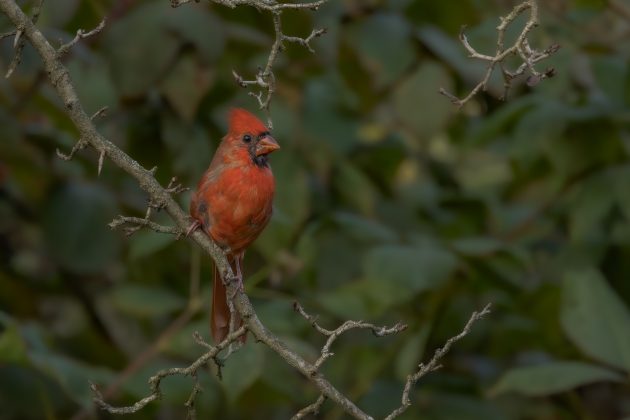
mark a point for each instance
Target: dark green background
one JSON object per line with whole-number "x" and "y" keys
{"x": 391, "y": 205}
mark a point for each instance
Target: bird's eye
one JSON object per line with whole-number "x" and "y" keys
{"x": 247, "y": 138}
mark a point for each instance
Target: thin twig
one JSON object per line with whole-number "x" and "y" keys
{"x": 433, "y": 364}
{"x": 265, "y": 78}
{"x": 60, "y": 79}
{"x": 81, "y": 34}
{"x": 521, "y": 47}
{"x": 333, "y": 335}
{"x": 19, "y": 43}
{"x": 137, "y": 223}
{"x": 310, "y": 409}
{"x": 155, "y": 380}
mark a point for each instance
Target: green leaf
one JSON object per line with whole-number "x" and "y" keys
{"x": 412, "y": 352}
{"x": 12, "y": 347}
{"x": 373, "y": 39}
{"x": 241, "y": 370}
{"x": 196, "y": 24}
{"x": 144, "y": 243}
{"x": 361, "y": 299}
{"x": 139, "y": 48}
{"x": 595, "y": 318}
{"x": 73, "y": 376}
{"x": 75, "y": 225}
{"x": 146, "y": 301}
{"x": 182, "y": 344}
{"x": 364, "y": 230}
{"x": 393, "y": 274}
{"x": 58, "y": 16}
{"x": 409, "y": 268}
{"x": 291, "y": 205}
{"x": 551, "y": 378}
{"x": 93, "y": 83}
{"x": 452, "y": 52}
{"x": 477, "y": 246}
{"x": 186, "y": 85}
{"x": 424, "y": 83}
{"x": 590, "y": 206}
{"x": 190, "y": 157}
{"x": 355, "y": 188}
{"x": 326, "y": 98}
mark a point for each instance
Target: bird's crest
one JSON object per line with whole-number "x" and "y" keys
{"x": 242, "y": 121}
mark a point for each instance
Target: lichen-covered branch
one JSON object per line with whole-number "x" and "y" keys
{"x": 265, "y": 78}
{"x": 521, "y": 47}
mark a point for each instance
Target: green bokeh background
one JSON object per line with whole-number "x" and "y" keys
{"x": 391, "y": 206}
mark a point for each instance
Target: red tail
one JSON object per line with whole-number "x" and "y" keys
{"x": 220, "y": 313}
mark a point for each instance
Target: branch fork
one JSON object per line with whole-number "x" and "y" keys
{"x": 521, "y": 48}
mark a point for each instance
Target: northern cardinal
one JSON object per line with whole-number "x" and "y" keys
{"x": 233, "y": 202}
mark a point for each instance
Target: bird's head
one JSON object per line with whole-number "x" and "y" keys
{"x": 249, "y": 138}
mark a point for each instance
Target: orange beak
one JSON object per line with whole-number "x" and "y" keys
{"x": 266, "y": 145}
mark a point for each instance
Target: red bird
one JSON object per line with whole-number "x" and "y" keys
{"x": 233, "y": 201}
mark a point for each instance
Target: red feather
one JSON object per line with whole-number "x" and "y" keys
{"x": 233, "y": 201}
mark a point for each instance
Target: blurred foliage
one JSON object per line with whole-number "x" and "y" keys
{"x": 391, "y": 205}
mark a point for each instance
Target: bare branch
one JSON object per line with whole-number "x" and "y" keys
{"x": 268, "y": 5}
{"x": 155, "y": 380}
{"x": 159, "y": 196}
{"x": 138, "y": 223}
{"x": 174, "y": 187}
{"x": 265, "y": 78}
{"x": 18, "y": 42}
{"x": 310, "y": 409}
{"x": 79, "y": 145}
{"x": 521, "y": 47}
{"x": 333, "y": 335}
{"x": 306, "y": 42}
{"x": 433, "y": 364}
{"x": 81, "y": 34}
{"x": 100, "y": 113}
{"x": 7, "y": 34}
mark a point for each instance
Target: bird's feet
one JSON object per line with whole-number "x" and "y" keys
{"x": 193, "y": 227}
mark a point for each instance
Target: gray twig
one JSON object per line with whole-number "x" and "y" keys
{"x": 18, "y": 42}
{"x": 310, "y": 409}
{"x": 156, "y": 380}
{"x": 433, "y": 364}
{"x": 520, "y": 47}
{"x": 60, "y": 79}
{"x": 265, "y": 78}
{"x": 81, "y": 34}
{"x": 161, "y": 198}
{"x": 333, "y": 335}
{"x": 137, "y": 223}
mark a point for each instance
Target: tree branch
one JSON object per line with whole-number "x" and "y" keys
{"x": 18, "y": 42}
{"x": 160, "y": 197}
{"x": 333, "y": 335}
{"x": 81, "y": 34}
{"x": 60, "y": 79}
{"x": 310, "y": 409}
{"x": 433, "y": 364}
{"x": 156, "y": 380}
{"x": 521, "y": 47}
{"x": 265, "y": 78}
